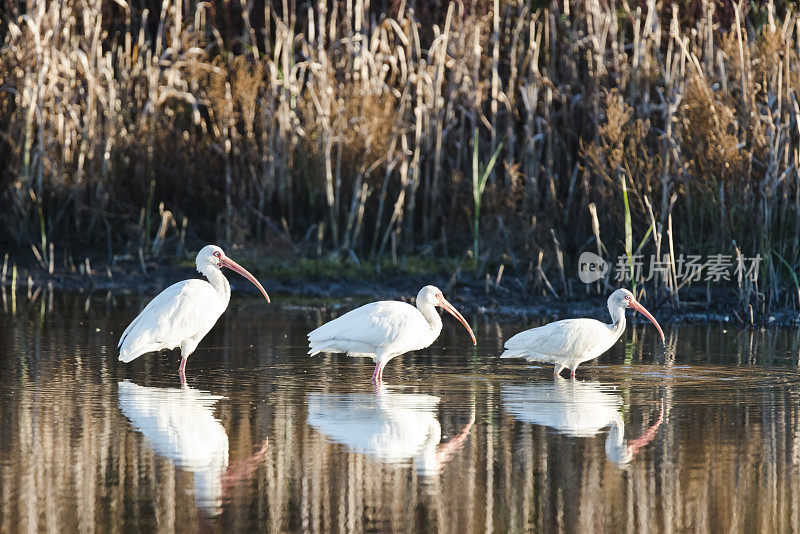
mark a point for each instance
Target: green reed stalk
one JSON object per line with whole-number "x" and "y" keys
{"x": 480, "y": 175}
{"x": 628, "y": 230}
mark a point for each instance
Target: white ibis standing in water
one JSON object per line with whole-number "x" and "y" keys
{"x": 182, "y": 314}
{"x": 570, "y": 342}
{"x": 385, "y": 329}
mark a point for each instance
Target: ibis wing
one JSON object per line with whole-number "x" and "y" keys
{"x": 181, "y": 311}
{"x": 557, "y": 341}
{"x": 365, "y": 329}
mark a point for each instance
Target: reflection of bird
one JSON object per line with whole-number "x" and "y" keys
{"x": 385, "y": 329}
{"x": 579, "y": 409}
{"x": 390, "y": 426}
{"x": 182, "y": 314}
{"x": 180, "y": 425}
{"x": 570, "y": 342}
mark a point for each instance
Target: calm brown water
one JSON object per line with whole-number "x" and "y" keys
{"x": 268, "y": 439}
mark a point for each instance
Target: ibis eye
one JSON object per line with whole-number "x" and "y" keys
{"x": 216, "y": 254}
{"x": 438, "y": 295}
{"x": 627, "y": 297}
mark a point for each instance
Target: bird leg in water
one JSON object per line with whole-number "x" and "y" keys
{"x": 182, "y": 370}
{"x": 557, "y": 370}
{"x": 377, "y": 375}
{"x": 380, "y": 363}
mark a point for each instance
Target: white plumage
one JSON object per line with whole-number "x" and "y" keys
{"x": 388, "y": 326}
{"x": 564, "y": 343}
{"x": 180, "y": 425}
{"x": 570, "y": 342}
{"x": 181, "y": 315}
{"x": 579, "y": 409}
{"x": 383, "y": 330}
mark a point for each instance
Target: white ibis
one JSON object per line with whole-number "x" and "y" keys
{"x": 182, "y": 314}
{"x": 579, "y": 409}
{"x": 390, "y": 426}
{"x": 180, "y": 425}
{"x": 385, "y": 329}
{"x": 570, "y": 342}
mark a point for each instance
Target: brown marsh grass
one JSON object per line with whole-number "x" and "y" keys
{"x": 348, "y": 127}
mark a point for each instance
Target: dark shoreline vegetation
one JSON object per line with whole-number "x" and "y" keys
{"x": 483, "y": 145}
{"x": 322, "y": 284}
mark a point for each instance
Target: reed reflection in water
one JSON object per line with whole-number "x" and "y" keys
{"x": 307, "y": 445}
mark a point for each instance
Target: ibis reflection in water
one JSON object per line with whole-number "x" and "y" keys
{"x": 578, "y": 409}
{"x": 179, "y": 424}
{"x": 392, "y": 427}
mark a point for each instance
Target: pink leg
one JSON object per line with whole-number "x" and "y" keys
{"x": 377, "y": 375}
{"x": 182, "y": 370}
{"x": 572, "y": 373}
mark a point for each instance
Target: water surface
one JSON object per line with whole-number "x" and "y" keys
{"x": 700, "y": 435}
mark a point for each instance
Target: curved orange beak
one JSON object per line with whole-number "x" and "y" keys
{"x": 638, "y": 307}
{"x": 233, "y": 266}
{"x": 454, "y": 312}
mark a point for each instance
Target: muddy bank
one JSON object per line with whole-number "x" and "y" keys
{"x": 510, "y": 297}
